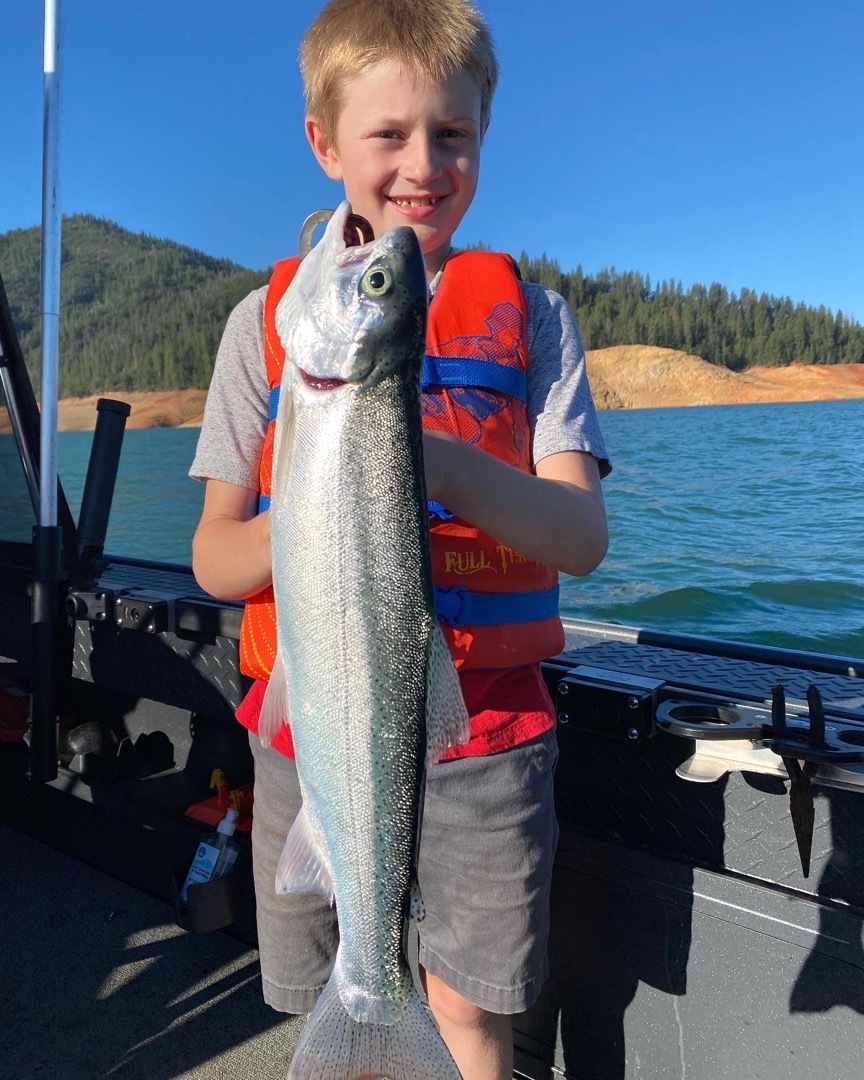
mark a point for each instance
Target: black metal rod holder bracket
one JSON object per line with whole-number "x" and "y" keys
{"x": 46, "y": 640}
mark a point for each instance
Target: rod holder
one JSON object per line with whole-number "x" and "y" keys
{"x": 101, "y": 477}
{"x": 46, "y": 635}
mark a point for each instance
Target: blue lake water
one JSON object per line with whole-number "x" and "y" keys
{"x": 743, "y": 522}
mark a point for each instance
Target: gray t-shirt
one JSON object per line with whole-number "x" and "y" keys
{"x": 560, "y": 407}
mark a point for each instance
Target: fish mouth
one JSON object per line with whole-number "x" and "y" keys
{"x": 357, "y": 231}
{"x": 318, "y": 383}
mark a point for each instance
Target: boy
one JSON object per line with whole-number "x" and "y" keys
{"x": 398, "y": 99}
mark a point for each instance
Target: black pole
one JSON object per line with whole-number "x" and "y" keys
{"x": 46, "y": 612}
{"x": 101, "y": 477}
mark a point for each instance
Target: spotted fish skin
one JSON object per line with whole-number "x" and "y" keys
{"x": 363, "y": 673}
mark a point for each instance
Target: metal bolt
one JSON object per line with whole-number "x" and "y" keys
{"x": 563, "y": 688}
{"x": 632, "y": 733}
{"x": 563, "y": 718}
{"x": 632, "y": 702}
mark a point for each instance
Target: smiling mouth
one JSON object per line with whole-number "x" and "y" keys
{"x": 429, "y": 200}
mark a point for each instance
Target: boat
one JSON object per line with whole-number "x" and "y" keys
{"x": 693, "y": 932}
{"x": 708, "y": 897}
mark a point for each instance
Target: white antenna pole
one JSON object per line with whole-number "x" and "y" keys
{"x": 51, "y": 225}
{"x": 46, "y": 535}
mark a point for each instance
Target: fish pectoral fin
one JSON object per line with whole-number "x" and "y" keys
{"x": 303, "y": 865}
{"x": 332, "y": 1044}
{"x": 416, "y": 907}
{"x": 446, "y": 715}
{"x": 274, "y": 707}
{"x": 282, "y": 443}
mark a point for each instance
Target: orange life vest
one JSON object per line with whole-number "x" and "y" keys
{"x": 497, "y": 607}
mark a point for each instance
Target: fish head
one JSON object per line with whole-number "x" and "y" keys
{"x": 355, "y": 313}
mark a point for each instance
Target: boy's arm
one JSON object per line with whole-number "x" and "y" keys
{"x": 231, "y": 547}
{"x": 556, "y": 517}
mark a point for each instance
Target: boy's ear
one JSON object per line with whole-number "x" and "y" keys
{"x": 325, "y": 153}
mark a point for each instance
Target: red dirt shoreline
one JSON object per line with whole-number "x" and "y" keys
{"x": 623, "y": 377}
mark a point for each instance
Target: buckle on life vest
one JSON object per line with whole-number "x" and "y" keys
{"x": 448, "y": 604}
{"x": 438, "y": 510}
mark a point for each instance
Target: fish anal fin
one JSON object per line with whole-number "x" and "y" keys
{"x": 274, "y": 707}
{"x": 446, "y": 715}
{"x": 303, "y": 865}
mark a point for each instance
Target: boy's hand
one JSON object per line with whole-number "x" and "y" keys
{"x": 441, "y": 463}
{"x": 555, "y": 516}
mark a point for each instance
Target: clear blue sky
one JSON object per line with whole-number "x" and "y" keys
{"x": 698, "y": 141}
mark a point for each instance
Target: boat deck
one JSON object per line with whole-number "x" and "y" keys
{"x": 106, "y": 984}
{"x": 687, "y": 940}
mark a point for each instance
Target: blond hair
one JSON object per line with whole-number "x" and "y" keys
{"x": 437, "y": 38}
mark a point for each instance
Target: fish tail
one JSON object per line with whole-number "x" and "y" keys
{"x": 333, "y": 1046}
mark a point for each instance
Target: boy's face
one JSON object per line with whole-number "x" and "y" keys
{"x": 408, "y": 152}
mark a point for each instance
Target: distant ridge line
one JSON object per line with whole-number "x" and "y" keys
{"x": 141, "y": 313}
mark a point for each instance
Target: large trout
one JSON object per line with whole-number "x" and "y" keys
{"x": 363, "y": 673}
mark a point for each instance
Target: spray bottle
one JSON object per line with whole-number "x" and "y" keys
{"x": 216, "y": 855}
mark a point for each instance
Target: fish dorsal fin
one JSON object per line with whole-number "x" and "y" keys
{"x": 274, "y": 707}
{"x": 303, "y": 864}
{"x": 446, "y": 715}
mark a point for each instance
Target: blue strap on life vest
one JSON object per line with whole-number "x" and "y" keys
{"x": 274, "y": 400}
{"x": 273, "y": 409}
{"x": 458, "y": 371}
{"x": 264, "y": 500}
{"x": 459, "y": 607}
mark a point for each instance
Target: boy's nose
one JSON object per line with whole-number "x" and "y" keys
{"x": 422, "y": 160}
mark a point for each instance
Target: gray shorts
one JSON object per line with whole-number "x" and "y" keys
{"x": 487, "y": 845}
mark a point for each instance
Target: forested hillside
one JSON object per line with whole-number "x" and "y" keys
{"x": 146, "y": 314}
{"x": 725, "y": 328}
{"x": 137, "y": 313}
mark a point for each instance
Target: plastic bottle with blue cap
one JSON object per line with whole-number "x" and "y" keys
{"x": 217, "y": 852}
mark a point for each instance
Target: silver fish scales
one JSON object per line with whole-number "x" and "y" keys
{"x": 363, "y": 672}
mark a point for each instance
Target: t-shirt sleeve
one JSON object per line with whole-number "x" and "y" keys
{"x": 237, "y": 410}
{"x": 560, "y": 405}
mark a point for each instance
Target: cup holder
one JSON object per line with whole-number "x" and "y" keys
{"x": 711, "y": 720}
{"x": 211, "y": 905}
{"x": 704, "y": 714}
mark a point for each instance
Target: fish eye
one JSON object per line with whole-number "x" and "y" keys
{"x": 377, "y": 281}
